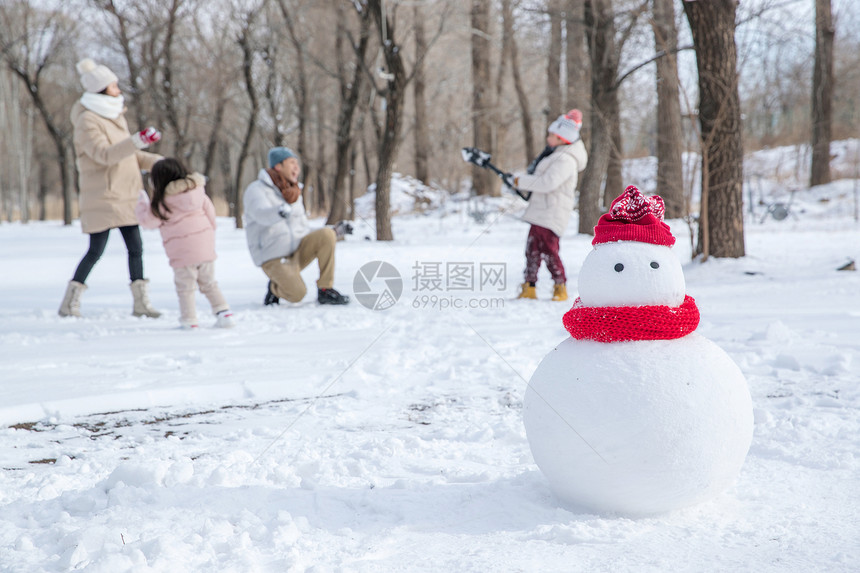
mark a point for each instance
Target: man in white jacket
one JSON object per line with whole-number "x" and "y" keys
{"x": 279, "y": 237}
{"x": 551, "y": 178}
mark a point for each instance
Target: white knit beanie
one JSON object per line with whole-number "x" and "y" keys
{"x": 567, "y": 126}
{"x": 95, "y": 77}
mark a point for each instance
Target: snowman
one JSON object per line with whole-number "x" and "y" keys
{"x": 635, "y": 413}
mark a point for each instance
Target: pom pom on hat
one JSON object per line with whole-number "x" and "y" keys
{"x": 634, "y": 217}
{"x": 567, "y": 126}
{"x": 278, "y": 154}
{"x": 95, "y": 77}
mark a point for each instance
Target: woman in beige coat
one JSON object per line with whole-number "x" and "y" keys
{"x": 109, "y": 162}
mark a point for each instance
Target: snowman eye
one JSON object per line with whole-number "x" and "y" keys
{"x": 619, "y": 267}
{"x": 655, "y": 265}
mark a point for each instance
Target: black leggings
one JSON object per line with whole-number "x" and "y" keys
{"x": 98, "y": 241}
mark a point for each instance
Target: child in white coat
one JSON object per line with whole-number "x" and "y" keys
{"x": 185, "y": 215}
{"x": 551, "y": 178}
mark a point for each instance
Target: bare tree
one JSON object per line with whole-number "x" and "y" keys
{"x": 246, "y": 43}
{"x": 124, "y": 33}
{"x": 220, "y": 59}
{"x": 577, "y": 93}
{"x": 483, "y": 181}
{"x": 300, "y": 85}
{"x": 30, "y": 42}
{"x": 395, "y": 79}
{"x": 394, "y": 93}
{"x": 822, "y": 93}
{"x": 422, "y": 138}
{"x": 510, "y": 53}
{"x": 604, "y": 54}
{"x": 604, "y": 50}
{"x": 553, "y": 65}
{"x": 176, "y": 113}
{"x": 17, "y": 122}
{"x": 351, "y": 83}
{"x": 670, "y": 178}
{"x": 721, "y": 224}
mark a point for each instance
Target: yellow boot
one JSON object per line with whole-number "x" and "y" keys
{"x": 528, "y": 291}
{"x": 559, "y": 291}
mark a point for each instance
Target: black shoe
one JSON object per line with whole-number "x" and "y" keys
{"x": 331, "y": 296}
{"x": 271, "y": 298}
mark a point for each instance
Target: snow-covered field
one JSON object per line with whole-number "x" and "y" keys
{"x": 313, "y": 438}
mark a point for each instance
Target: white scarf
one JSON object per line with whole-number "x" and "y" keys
{"x": 106, "y": 106}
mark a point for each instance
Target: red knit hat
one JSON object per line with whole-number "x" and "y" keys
{"x": 634, "y": 217}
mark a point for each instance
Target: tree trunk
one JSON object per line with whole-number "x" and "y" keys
{"x": 321, "y": 203}
{"x": 23, "y": 145}
{"x": 43, "y": 192}
{"x": 273, "y": 96}
{"x": 721, "y": 220}
{"x": 600, "y": 28}
{"x": 422, "y": 137}
{"x": 351, "y": 88}
{"x": 25, "y": 161}
{"x": 5, "y": 192}
{"x": 510, "y": 40}
{"x": 58, "y": 136}
{"x": 614, "y": 170}
{"x": 822, "y": 94}
{"x": 553, "y": 65}
{"x": 300, "y": 89}
{"x": 134, "y": 69}
{"x": 168, "y": 85}
{"x": 394, "y": 94}
{"x": 214, "y": 133}
{"x": 247, "y": 71}
{"x": 578, "y": 93}
{"x": 483, "y": 180}
{"x": 670, "y": 178}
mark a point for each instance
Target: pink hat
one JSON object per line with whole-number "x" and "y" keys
{"x": 634, "y": 217}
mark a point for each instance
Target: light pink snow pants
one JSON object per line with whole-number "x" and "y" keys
{"x": 187, "y": 279}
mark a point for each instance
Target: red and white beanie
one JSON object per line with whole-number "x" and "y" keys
{"x": 634, "y": 217}
{"x": 567, "y": 126}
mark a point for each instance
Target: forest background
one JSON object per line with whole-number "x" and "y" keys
{"x": 365, "y": 90}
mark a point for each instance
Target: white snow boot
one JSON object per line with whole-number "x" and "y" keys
{"x": 224, "y": 319}
{"x": 71, "y": 305}
{"x": 141, "y": 299}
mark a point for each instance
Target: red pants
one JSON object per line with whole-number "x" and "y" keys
{"x": 542, "y": 245}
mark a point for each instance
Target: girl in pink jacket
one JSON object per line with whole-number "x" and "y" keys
{"x": 186, "y": 218}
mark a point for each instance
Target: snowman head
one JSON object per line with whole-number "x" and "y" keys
{"x": 632, "y": 263}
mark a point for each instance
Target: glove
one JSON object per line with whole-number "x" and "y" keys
{"x": 284, "y": 210}
{"x": 509, "y": 180}
{"x": 343, "y": 228}
{"x": 145, "y": 137}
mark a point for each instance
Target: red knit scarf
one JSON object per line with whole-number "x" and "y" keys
{"x": 623, "y": 323}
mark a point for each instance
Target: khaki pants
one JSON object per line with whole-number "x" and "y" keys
{"x": 187, "y": 280}
{"x": 285, "y": 273}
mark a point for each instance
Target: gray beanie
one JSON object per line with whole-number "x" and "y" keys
{"x": 95, "y": 77}
{"x": 278, "y": 154}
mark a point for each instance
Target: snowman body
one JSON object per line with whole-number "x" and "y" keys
{"x": 637, "y": 427}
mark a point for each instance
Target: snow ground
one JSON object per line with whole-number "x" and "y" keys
{"x": 323, "y": 439}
